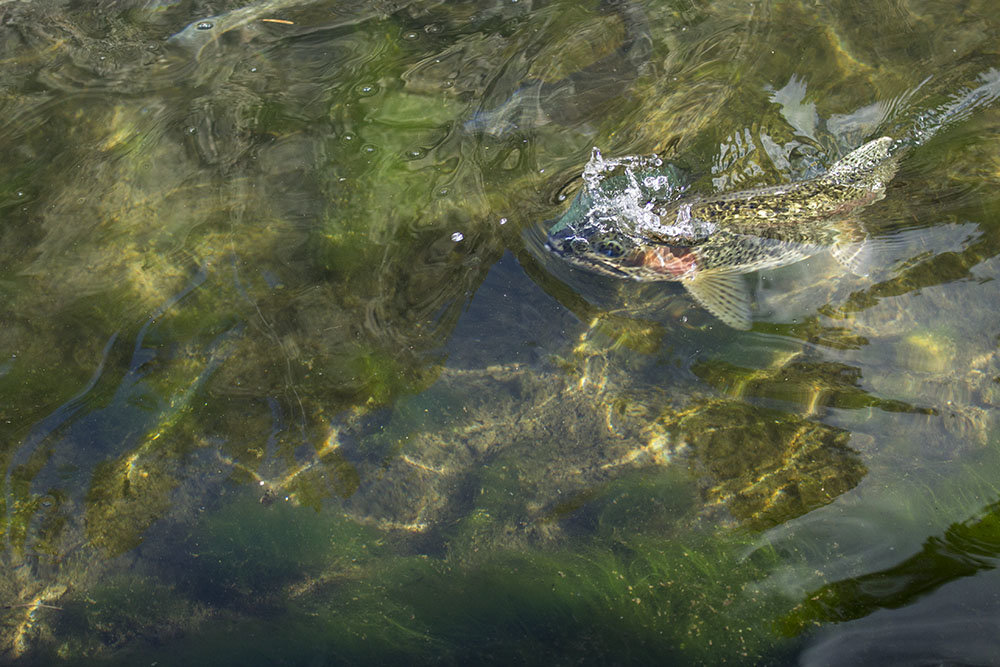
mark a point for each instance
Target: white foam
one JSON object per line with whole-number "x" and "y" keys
{"x": 626, "y": 205}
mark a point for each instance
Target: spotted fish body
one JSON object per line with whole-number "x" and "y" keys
{"x": 708, "y": 243}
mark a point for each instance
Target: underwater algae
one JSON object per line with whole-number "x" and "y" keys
{"x": 518, "y": 498}
{"x": 356, "y": 598}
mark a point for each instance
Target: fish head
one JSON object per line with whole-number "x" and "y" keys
{"x": 611, "y": 253}
{"x": 613, "y": 226}
{"x": 593, "y": 248}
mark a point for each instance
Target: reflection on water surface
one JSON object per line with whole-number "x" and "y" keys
{"x": 286, "y": 372}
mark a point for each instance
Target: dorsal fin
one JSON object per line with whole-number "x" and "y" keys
{"x": 860, "y": 162}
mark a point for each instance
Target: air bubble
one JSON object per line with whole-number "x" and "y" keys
{"x": 457, "y": 236}
{"x": 410, "y": 36}
{"x": 503, "y": 221}
{"x": 369, "y": 148}
{"x": 367, "y": 90}
{"x": 204, "y": 25}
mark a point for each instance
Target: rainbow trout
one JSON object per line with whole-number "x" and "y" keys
{"x": 632, "y": 220}
{"x": 707, "y": 243}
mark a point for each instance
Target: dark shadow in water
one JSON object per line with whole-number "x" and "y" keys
{"x": 964, "y": 550}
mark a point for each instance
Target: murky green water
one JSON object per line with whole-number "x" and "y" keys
{"x": 288, "y": 377}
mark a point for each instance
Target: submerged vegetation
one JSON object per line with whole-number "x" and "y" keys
{"x": 286, "y": 374}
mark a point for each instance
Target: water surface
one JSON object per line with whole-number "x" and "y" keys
{"x": 288, "y": 377}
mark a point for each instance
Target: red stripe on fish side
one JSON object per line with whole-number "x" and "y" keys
{"x": 668, "y": 260}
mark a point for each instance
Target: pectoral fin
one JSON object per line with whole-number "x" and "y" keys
{"x": 871, "y": 255}
{"x": 724, "y": 295}
{"x": 852, "y": 248}
{"x": 855, "y": 256}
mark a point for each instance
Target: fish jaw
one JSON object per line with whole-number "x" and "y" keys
{"x": 646, "y": 262}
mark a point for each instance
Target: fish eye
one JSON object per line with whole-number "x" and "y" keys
{"x": 610, "y": 248}
{"x": 579, "y": 245}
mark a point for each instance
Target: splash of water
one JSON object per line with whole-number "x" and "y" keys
{"x": 620, "y": 194}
